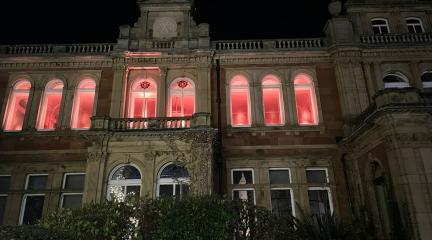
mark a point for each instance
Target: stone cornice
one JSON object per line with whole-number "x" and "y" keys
{"x": 300, "y": 57}
{"x": 55, "y": 63}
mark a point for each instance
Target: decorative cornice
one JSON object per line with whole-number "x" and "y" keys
{"x": 43, "y": 64}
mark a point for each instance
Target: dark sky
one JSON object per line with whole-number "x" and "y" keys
{"x": 79, "y": 21}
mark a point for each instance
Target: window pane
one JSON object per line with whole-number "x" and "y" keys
{"x": 240, "y": 107}
{"x": 74, "y": 182}
{"x": 37, "y": 182}
{"x": 166, "y": 190}
{"x": 316, "y": 176}
{"x": 182, "y": 189}
{"x": 82, "y": 109}
{"x": 72, "y": 201}
{"x": 133, "y": 192}
{"x": 126, "y": 172}
{"x": 188, "y": 101}
{"x": 244, "y": 195}
{"x": 117, "y": 193}
{"x": 176, "y": 106}
{"x": 2, "y": 208}
{"x": 242, "y": 177}
{"x": 174, "y": 171}
{"x": 33, "y": 209}
{"x": 4, "y": 184}
{"x": 306, "y": 105}
{"x": 16, "y": 110}
{"x": 319, "y": 201}
{"x": 279, "y": 177}
{"x": 272, "y": 106}
{"x": 281, "y": 203}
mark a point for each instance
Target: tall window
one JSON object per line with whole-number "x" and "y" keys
{"x": 395, "y": 80}
{"x": 173, "y": 180}
{"x": 4, "y": 191}
{"x": 182, "y": 98}
{"x": 320, "y": 201}
{"x": 282, "y": 199}
{"x": 243, "y": 188}
{"x": 427, "y": 80}
{"x": 414, "y": 25}
{"x": 72, "y": 190}
{"x": 240, "y": 102}
{"x": 83, "y": 104}
{"x": 50, "y": 106}
{"x": 272, "y": 101}
{"x": 33, "y": 199}
{"x": 124, "y": 183}
{"x": 16, "y": 106}
{"x": 306, "y": 103}
{"x": 380, "y": 26}
{"x": 142, "y": 99}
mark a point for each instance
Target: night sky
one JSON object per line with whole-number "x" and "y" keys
{"x": 79, "y": 21}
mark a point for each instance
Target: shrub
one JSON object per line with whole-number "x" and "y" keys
{"x": 34, "y": 233}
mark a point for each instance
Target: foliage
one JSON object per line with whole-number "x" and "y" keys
{"x": 34, "y": 233}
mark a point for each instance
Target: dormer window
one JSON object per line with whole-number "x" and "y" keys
{"x": 414, "y": 25}
{"x": 380, "y": 26}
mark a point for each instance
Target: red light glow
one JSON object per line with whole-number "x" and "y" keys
{"x": 82, "y": 110}
{"x": 16, "y": 106}
{"x": 272, "y": 101}
{"x": 50, "y": 106}
{"x": 307, "y": 110}
{"x": 142, "y": 99}
{"x": 182, "y": 98}
{"x": 240, "y": 104}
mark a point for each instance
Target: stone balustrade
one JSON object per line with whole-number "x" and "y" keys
{"x": 285, "y": 44}
{"x": 46, "y": 49}
{"x": 198, "y": 120}
{"x": 396, "y": 38}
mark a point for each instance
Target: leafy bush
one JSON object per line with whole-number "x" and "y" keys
{"x": 34, "y": 233}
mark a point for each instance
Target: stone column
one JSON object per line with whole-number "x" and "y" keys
{"x": 119, "y": 83}
{"x": 162, "y": 93}
{"x": 67, "y": 106}
{"x": 95, "y": 173}
{"x": 33, "y": 107}
{"x": 203, "y": 97}
{"x": 416, "y": 78}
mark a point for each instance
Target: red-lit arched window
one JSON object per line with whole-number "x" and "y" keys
{"x": 16, "y": 106}
{"x": 306, "y": 104}
{"x": 240, "y": 102}
{"x": 83, "y": 104}
{"x": 272, "y": 101}
{"x": 182, "y": 98}
{"x": 142, "y": 99}
{"x": 50, "y": 106}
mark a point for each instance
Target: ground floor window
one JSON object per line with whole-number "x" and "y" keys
{"x": 282, "y": 202}
{"x": 173, "y": 180}
{"x": 4, "y": 190}
{"x": 245, "y": 195}
{"x": 72, "y": 190}
{"x": 124, "y": 183}
{"x": 34, "y": 198}
{"x": 320, "y": 200}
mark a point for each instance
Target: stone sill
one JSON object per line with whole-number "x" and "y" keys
{"x": 289, "y": 130}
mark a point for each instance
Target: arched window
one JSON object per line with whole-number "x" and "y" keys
{"x": 50, "y": 106}
{"x": 124, "y": 182}
{"x": 83, "y": 104}
{"x": 173, "y": 180}
{"x": 380, "y": 26}
{"x": 306, "y": 103}
{"x": 182, "y": 98}
{"x": 16, "y": 106}
{"x": 414, "y": 25}
{"x": 142, "y": 99}
{"x": 427, "y": 79}
{"x": 272, "y": 101}
{"x": 240, "y": 102}
{"x": 395, "y": 80}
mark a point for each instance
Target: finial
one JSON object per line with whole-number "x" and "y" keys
{"x": 335, "y": 8}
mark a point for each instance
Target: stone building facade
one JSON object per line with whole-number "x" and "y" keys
{"x": 340, "y": 124}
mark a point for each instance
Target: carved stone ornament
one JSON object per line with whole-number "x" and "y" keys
{"x": 164, "y": 27}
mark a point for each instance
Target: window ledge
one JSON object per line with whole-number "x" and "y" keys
{"x": 288, "y": 129}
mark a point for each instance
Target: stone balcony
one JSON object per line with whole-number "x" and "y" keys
{"x": 420, "y": 38}
{"x": 52, "y": 49}
{"x": 198, "y": 120}
{"x": 269, "y": 44}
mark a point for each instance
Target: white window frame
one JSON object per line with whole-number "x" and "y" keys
{"x": 42, "y": 116}
{"x": 244, "y": 189}
{"x": 123, "y": 183}
{"x": 74, "y": 100}
{"x": 239, "y": 170}
{"x": 426, "y": 84}
{"x": 292, "y": 198}
{"x": 380, "y": 26}
{"x": 319, "y": 169}
{"x": 132, "y": 97}
{"x": 169, "y": 181}
{"x": 280, "y": 169}
{"x": 404, "y": 84}
{"x": 33, "y": 175}
{"x": 249, "y": 103}
{"x": 420, "y": 23}
{"x": 23, "y": 204}
{"x": 172, "y": 91}
{"x": 330, "y": 199}
{"x": 281, "y": 99}
{"x": 63, "y": 187}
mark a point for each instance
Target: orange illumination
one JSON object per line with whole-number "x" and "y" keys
{"x": 307, "y": 110}
{"x": 50, "y": 106}
{"x": 142, "y": 54}
{"x": 272, "y": 101}
{"x": 83, "y": 104}
{"x": 240, "y": 104}
{"x": 16, "y": 106}
{"x": 142, "y": 99}
{"x": 182, "y": 98}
